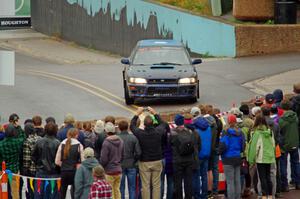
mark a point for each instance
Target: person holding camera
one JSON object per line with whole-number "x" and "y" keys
{"x": 150, "y": 139}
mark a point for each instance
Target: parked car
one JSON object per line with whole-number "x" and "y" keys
{"x": 160, "y": 69}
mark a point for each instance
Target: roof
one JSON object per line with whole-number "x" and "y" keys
{"x": 159, "y": 42}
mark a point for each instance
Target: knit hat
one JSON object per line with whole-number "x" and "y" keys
{"x": 88, "y": 153}
{"x": 231, "y": 119}
{"x": 188, "y": 118}
{"x": 179, "y": 120}
{"x": 270, "y": 98}
{"x": 29, "y": 129}
{"x": 109, "y": 128}
{"x": 278, "y": 95}
{"x": 195, "y": 111}
{"x": 69, "y": 119}
{"x": 297, "y": 88}
{"x": 244, "y": 108}
{"x": 259, "y": 100}
{"x": 235, "y": 111}
{"x": 99, "y": 127}
{"x": 50, "y": 119}
{"x": 255, "y": 110}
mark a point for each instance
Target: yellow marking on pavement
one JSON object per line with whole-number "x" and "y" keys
{"x": 84, "y": 83}
{"x": 83, "y": 88}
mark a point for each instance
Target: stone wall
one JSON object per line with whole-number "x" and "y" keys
{"x": 266, "y": 39}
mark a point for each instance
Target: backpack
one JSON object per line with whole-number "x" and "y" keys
{"x": 185, "y": 142}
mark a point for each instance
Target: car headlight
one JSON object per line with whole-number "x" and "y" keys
{"x": 134, "y": 80}
{"x": 190, "y": 80}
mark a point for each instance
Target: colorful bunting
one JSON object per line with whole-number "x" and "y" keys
{"x": 39, "y": 186}
{"x": 25, "y": 183}
{"x": 10, "y": 176}
{"x": 31, "y": 184}
{"x": 18, "y": 182}
{"x": 58, "y": 185}
{"x": 45, "y": 185}
{"x": 52, "y": 183}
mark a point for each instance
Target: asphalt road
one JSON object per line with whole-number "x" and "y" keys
{"x": 38, "y": 92}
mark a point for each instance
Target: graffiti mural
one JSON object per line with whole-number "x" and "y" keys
{"x": 116, "y": 25}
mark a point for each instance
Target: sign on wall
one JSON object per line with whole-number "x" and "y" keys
{"x": 7, "y": 68}
{"x": 14, "y": 13}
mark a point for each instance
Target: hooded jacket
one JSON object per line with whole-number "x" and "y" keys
{"x": 231, "y": 146}
{"x": 288, "y": 124}
{"x": 132, "y": 150}
{"x": 275, "y": 129}
{"x": 112, "y": 154}
{"x": 84, "y": 178}
{"x": 204, "y": 131}
{"x": 262, "y": 146}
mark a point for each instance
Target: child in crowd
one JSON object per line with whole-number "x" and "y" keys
{"x": 100, "y": 188}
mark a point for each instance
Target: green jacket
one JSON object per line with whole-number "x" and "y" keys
{"x": 246, "y": 127}
{"x": 288, "y": 124}
{"x": 261, "y": 146}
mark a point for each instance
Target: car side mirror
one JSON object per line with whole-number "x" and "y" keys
{"x": 196, "y": 61}
{"x": 125, "y": 61}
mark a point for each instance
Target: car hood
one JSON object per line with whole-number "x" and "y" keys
{"x": 161, "y": 71}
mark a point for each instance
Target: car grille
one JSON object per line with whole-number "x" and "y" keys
{"x": 162, "y": 81}
{"x": 163, "y": 91}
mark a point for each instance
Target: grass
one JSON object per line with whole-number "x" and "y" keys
{"x": 197, "y": 6}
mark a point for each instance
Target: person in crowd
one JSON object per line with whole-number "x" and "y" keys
{"x": 184, "y": 144}
{"x": 69, "y": 155}
{"x": 10, "y": 151}
{"x": 89, "y": 135}
{"x": 275, "y": 168}
{"x": 14, "y": 120}
{"x": 262, "y": 153}
{"x": 230, "y": 148}
{"x": 43, "y": 156}
{"x": 112, "y": 154}
{"x": 204, "y": 131}
{"x": 68, "y": 124}
{"x": 50, "y": 119}
{"x": 2, "y": 132}
{"x": 259, "y": 100}
{"x": 132, "y": 153}
{"x": 213, "y": 164}
{"x": 295, "y": 103}
{"x": 288, "y": 124}
{"x": 274, "y": 114}
{"x": 256, "y": 110}
{"x": 37, "y": 122}
{"x": 100, "y": 137}
{"x": 110, "y": 119}
{"x": 246, "y": 127}
{"x": 100, "y": 189}
{"x": 195, "y": 112}
{"x": 29, "y": 167}
{"x": 269, "y": 100}
{"x": 79, "y": 125}
{"x": 278, "y": 97}
{"x": 83, "y": 176}
{"x": 150, "y": 164}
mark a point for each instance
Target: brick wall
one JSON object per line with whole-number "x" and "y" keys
{"x": 267, "y": 39}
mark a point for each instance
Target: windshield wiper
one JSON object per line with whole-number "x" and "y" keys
{"x": 167, "y": 63}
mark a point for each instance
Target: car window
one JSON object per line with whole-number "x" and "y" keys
{"x": 157, "y": 55}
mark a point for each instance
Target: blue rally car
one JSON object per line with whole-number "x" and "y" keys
{"x": 160, "y": 69}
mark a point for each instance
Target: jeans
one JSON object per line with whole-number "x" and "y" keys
{"x": 46, "y": 193}
{"x": 170, "y": 185}
{"x": 67, "y": 178}
{"x": 131, "y": 179}
{"x": 203, "y": 178}
{"x": 294, "y": 160}
{"x": 215, "y": 172}
{"x": 264, "y": 171}
{"x": 183, "y": 172}
{"x": 196, "y": 184}
{"x": 114, "y": 181}
{"x": 232, "y": 174}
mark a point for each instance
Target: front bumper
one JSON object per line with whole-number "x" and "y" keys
{"x": 163, "y": 90}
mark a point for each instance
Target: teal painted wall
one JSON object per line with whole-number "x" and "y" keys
{"x": 200, "y": 34}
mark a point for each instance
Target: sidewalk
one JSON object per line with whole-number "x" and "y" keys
{"x": 284, "y": 81}
{"x": 30, "y": 42}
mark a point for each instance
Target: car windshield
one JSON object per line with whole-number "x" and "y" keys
{"x": 160, "y": 56}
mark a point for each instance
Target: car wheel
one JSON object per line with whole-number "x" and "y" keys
{"x": 128, "y": 100}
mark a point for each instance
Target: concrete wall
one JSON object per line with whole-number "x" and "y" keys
{"x": 116, "y": 25}
{"x": 267, "y": 39}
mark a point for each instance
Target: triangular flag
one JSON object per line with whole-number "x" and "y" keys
{"x": 25, "y": 183}
{"x": 58, "y": 185}
{"x": 18, "y": 182}
{"x": 31, "y": 184}
{"x": 10, "y": 176}
{"x": 45, "y": 185}
{"x": 39, "y": 186}
{"x": 52, "y": 183}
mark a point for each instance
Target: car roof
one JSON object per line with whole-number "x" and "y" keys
{"x": 159, "y": 42}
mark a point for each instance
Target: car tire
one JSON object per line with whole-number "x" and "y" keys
{"x": 128, "y": 100}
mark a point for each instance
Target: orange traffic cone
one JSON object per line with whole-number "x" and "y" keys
{"x": 4, "y": 180}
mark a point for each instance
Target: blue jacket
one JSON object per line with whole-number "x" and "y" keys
{"x": 204, "y": 131}
{"x": 62, "y": 134}
{"x": 231, "y": 146}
